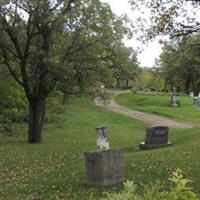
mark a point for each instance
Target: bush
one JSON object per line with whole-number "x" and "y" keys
{"x": 13, "y": 106}
{"x": 179, "y": 191}
{"x": 54, "y": 107}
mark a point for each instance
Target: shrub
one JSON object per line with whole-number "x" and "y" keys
{"x": 54, "y": 107}
{"x": 13, "y": 106}
{"x": 179, "y": 191}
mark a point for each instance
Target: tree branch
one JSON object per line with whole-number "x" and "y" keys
{"x": 12, "y": 72}
{"x": 8, "y": 49}
{"x": 12, "y": 35}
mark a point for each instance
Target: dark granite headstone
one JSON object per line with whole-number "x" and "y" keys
{"x": 104, "y": 167}
{"x": 156, "y": 136}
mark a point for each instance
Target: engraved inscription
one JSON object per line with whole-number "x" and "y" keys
{"x": 159, "y": 133}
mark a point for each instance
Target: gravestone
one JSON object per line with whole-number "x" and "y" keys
{"x": 173, "y": 102}
{"x": 102, "y": 138}
{"x": 156, "y": 137}
{"x": 104, "y": 166}
{"x": 196, "y": 102}
{"x": 192, "y": 94}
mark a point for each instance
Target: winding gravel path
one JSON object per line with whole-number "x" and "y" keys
{"x": 151, "y": 119}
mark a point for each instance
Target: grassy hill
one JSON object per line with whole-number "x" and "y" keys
{"x": 55, "y": 169}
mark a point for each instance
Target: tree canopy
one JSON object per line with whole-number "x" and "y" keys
{"x": 180, "y": 63}
{"x": 173, "y": 17}
{"x": 46, "y": 42}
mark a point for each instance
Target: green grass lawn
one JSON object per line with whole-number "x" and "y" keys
{"x": 55, "y": 169}
{"x": 159, "y": 104}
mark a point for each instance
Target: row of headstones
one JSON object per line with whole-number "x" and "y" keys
{"x": 174, "y": 103}
{"x": 106, "y": 166}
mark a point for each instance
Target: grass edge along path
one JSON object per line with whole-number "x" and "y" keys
{"x": 151, "y": 119}
{"x": 158, "y": 104}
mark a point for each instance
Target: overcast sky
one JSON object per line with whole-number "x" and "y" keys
{"x": 152, "y": 50}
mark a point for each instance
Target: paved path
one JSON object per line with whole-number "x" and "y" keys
{"x": 151, "y": 119}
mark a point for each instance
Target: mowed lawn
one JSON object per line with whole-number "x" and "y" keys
{"x": 55, "y": 168}
{"x": 158, "y": 103}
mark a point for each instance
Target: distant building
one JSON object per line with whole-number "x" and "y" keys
{"x": 125, "y": 83}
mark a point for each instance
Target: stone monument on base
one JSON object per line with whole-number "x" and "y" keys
{"x": 173, "y": 102}
{"x": 104, "y": 166}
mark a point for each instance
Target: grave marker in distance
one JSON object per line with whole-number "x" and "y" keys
{"x": 196, "y": 102}
{"x": 173, "y": 101}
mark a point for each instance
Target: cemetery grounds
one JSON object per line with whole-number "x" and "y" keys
{"x": 55, "y": 169}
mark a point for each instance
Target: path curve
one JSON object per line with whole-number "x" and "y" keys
{"x": 152, "y": 119}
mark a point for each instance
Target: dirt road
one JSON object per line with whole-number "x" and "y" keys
{"x": 151, "y": 119}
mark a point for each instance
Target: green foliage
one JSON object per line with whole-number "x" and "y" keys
{"x": 13, "y": 106}
{"x": 181, "y": 191}
{"x": 125, "y": 64}
{"x": 166, "y": 17}
{"x": 102, "y": 94}
{"x": 180, "y": 61}
{"x": 150, "y": 78}
{"x": 55, "y": 109}
{"x": 12, "y": 96}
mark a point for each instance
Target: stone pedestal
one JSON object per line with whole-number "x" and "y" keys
{"x": 104, "y": 167}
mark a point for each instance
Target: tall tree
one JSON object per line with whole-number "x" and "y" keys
{"x": 43, "y": 39}
{"x": 180, "y": 63}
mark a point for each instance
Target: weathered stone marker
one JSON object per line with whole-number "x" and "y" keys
{"x": 156, "y": 137}
{"x": 102, "y": 138}
{"x": 196, "y": 102}
{"x": 104, "y": 166}
{"x": 173, "y": 102}
{"x": 192, "y": 94}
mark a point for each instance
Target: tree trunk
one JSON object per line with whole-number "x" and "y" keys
{"x": 118, "y": 83}
{"x": 81, "y": 84}
{"x": 195, "y": 89}
{"x": 65, "y": 98}
{"x": 165, "y": 84}
{"x": 196, "y": 92}
{"x": 36, "y": 119}
{"x": 127, "y": 84}
{"x": 187, "y": 86}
